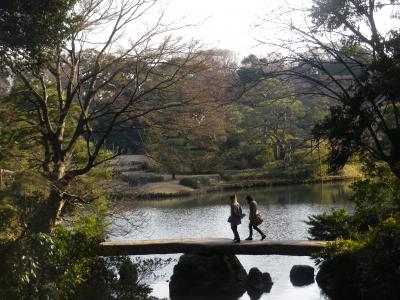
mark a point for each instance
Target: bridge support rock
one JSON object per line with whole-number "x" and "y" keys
{"x": 301, "y": 275}
{"x": 208, "y": 277}
{"x": 258, "y": 283}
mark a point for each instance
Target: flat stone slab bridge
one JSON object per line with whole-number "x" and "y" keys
{"x": 210, "y": 246}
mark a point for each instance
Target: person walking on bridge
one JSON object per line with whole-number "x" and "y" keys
{"x": 236, "y": 217}
{"x": 254, "y": 218}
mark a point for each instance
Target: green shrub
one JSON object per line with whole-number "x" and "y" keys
{"x": 339, "y": 271}
{"x": 195, "y": 182}
{"x": 330, "y": 226}
{"x": 204, "y": 180}
{"x": 65, "y": 265}
{"x": 190, "y": 182}
{"x": 143, "y": 179}
{"x": 246, "y": 156}
{"x": 366, "y": 269}
{"x": 375, "y": 200}
{"x": 233, "y": 159}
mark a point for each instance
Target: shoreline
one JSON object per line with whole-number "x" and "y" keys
{"x": 228, "y": 186}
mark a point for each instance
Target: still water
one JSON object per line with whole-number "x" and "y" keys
{"x": 284, "y": 210}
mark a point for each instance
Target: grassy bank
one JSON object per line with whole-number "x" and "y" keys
{"x": 191, "y": 184}
{"x": 236, "y": 185}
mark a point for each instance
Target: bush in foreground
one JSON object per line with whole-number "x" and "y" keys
{"x": 64, "y": 265}
{"x": 368, "y": 269}
{"x": 363, "y": 261}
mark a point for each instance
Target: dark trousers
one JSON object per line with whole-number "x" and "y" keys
{"x": 251, "y": 226}
{"x": 235, "y": 232}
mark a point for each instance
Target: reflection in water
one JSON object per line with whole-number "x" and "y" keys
{"x": 208, "y": 297}
{"x": 256, "y": 294}
{"x": 311, "y": 193}
{"x": 284, "y": 210}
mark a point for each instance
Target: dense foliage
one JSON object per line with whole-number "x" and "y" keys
{"x": 366, "y": 268}
{"x": 72, "y": 91}
{"x": 366, "y": 120}
{"x": 366, "y": 242}
{"x": 330, "y": 226}
{"x": 32, "y": 30}
{"x": 362, "y": 261}
{"x": 193, "y": 111}
{"x": 51, "y": 221}
{"x": 65, "y": 265}
{"x": 265, "y": 128}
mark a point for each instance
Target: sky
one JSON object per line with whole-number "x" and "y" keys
{"x": 225, "y": 24}
{"x": 231, "y": 24}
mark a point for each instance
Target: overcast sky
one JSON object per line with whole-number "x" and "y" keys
{"x": 226, "y": 24}
{"x": 221, "y": 23}
{"x": 229, "y": 24}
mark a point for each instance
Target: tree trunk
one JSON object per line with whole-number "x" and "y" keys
{"x": 276, "y": 151}
{"x": 282, "y": 152}
{"x": 319, "y": 160}
{"x": 49, "y": 212}
{"x": 394, "y": 164}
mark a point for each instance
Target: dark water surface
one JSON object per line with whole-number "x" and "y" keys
{"x": 284, "y": 209}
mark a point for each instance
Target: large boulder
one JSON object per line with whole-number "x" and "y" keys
{"x": 301, "y": 275}
{"x": 258, "y": 283}
{"x": 208, "y": 277}
{"x": 258, "y": 280}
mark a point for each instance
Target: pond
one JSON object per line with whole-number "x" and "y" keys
{"x": 283, "y": 208}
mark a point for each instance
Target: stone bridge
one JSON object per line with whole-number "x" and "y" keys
{"x": 210, "y": 246}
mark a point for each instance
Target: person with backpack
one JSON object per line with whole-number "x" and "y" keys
{"x": 254, "y": 218}
{"x": 236, "y": 217}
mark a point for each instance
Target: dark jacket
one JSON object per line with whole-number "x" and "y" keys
{"x": 253, "y": 210}
{"x": 236, "y": 215}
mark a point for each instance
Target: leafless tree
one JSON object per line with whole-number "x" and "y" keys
{"x": 98, "y": 76}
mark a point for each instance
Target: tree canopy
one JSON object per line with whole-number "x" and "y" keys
{"x": 343, "y": 55}
{"x": 76, "y": 86}
{"x": 31, "y": 30}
